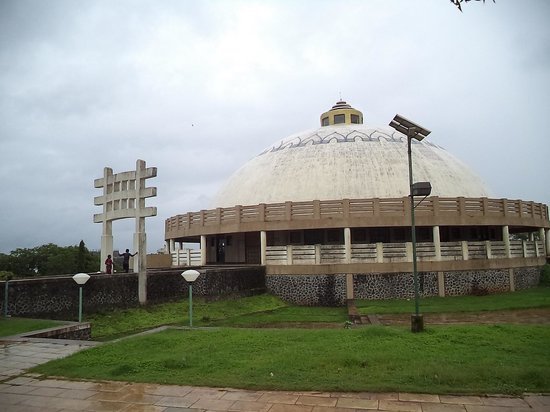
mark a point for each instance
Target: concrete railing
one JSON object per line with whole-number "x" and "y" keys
{"x": 346, "y": 212}
{"x": 400, "y": 252}
{"x": 186, "y": 257}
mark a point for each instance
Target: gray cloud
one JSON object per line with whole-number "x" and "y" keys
{"x": 198, "y": 88}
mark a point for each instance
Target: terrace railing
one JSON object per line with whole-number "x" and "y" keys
{"x": 375, "y": 212}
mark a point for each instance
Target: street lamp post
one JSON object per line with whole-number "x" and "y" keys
{"x": 413, "y": 131}
{"x": 80, "y": 279}
{"x": 190, "y": 276}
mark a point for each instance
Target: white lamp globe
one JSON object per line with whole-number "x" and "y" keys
{"x": 190, "y": 275}
{"x": 81, "y": 278}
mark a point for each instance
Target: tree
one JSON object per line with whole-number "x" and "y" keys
{"x": 458, "y": 3}
{"x": 50, "y": 259}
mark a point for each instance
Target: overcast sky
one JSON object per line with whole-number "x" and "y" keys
{"x": 196, "y": 88}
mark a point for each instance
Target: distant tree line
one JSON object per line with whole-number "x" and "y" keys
{"x": 47, "y": 260}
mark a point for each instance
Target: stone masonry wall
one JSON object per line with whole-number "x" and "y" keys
{"x": 57, "y": 297}
{"x": 330, "y": 290}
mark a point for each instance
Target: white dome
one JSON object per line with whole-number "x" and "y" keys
{"x": 350, "y": 161}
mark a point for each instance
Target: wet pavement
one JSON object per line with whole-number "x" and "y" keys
{"x": 27, "y": 392}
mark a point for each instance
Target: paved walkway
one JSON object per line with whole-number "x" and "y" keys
{"x": 26, "y": 392}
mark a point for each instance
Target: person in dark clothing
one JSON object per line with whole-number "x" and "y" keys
{"x": 126, "y": 259}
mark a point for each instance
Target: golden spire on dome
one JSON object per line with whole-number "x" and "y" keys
{"x": 341, "y": 113}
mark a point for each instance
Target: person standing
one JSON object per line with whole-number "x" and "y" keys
{"x": 108, "y": 265}
{"x": 126, "y": 259}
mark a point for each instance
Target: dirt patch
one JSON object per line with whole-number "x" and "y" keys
{"x": 520, "y": 316}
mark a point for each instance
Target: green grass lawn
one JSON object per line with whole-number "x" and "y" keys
{"x": 524, "y": 299}
{"x": 15, "y": 326}
{"x": 450, "y": 359}
{"x": 253, "y": 311}
{"x": 266, "y": 310}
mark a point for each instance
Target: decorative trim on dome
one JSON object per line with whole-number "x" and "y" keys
{"x": 340, "y": 137}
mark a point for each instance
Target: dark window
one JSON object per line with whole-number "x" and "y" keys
{"x": 228, "y": 240}
{"x": 355, "y": 119}
{"x": 296, "y": 237}
{"x": 339, "y": 118}
{"x": 335, "y": 236}
{"x": 313, "y": 237}
{"x": 324, "y": 122}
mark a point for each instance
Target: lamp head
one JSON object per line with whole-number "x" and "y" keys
{"x": 409, "y": 128}
{"x": 81, "y": 278}
{"x": 421, "y": 189}
{"x": 190, "y": 275}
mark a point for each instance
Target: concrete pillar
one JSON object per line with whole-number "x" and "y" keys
{"x": 203, "y": 250}
{"x": 441, "y": 284}
{"x": 347, "y": 243}
{"x": 263, "y": 247}
{"x": 512, "y": 280}
{"x": 437, "y": 242}
{"x": 506, "y": 239}
{"x": 542, "y": 237}
{"x": 140, "y": 260}
{"x": 172, "y": 246}
{"x": 349, "y": 286}
{"x": 106, "y": 243}
{"x": 188, "y": 257}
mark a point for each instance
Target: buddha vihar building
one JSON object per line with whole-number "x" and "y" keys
{"x": 327, "y": 212}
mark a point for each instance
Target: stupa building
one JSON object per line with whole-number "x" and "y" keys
{"x": 327, "y": 212}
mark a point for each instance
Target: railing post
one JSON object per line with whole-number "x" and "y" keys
{"x": 202, "y": 217}
{"x": 485, "y": 205}
{"x": 464, "y": 245}
{"x": 219, "y": 215}
{"x": 461, "y": 206}
{"x": 488, "y": 251}
{"x": 288, "y": 211}
{"x": 317, "y": 254}
{"x": 261, "y": 212}
{"x": 238, "y": 213}
{"x": 289, "y": 254}
{"x": 188, "y": 257}
{"x": 379, "y": 252}
{"x": 345, "y": 208}
{"x": 524, "y": 244}
{"x": 408, "y": 251}
{"x": 376, "y": 206}
{"x": 316, "y": 209}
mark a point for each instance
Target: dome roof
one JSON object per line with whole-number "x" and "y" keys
{"x": 342, "y": 161}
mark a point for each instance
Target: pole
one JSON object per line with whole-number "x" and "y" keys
{"x": 190, "y": 305}
{"x": 417, "y": 323}
{"x": 80, "y": 305}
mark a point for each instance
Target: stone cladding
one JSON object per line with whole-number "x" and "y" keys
{"x": 309, "y": 290}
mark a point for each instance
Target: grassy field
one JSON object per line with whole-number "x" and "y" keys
{"x": 266, "y": 311}
{"x": 15, "y": 326}
{"x": 524, "y": 299}
{"x": 451, "y": 359}
{"x": 253, "y": 311}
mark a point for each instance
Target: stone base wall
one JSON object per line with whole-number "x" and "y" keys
{"x": 79, "y": 331}
{"x": 57, "y": 298}
{"x": 315, "y": 290}
{"x": 526, "y": 278}
{"x": 393, "y": 285}
{"x": 330, "y": 290}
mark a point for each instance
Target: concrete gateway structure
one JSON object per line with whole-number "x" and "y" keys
{"x": 326, "y": 211}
